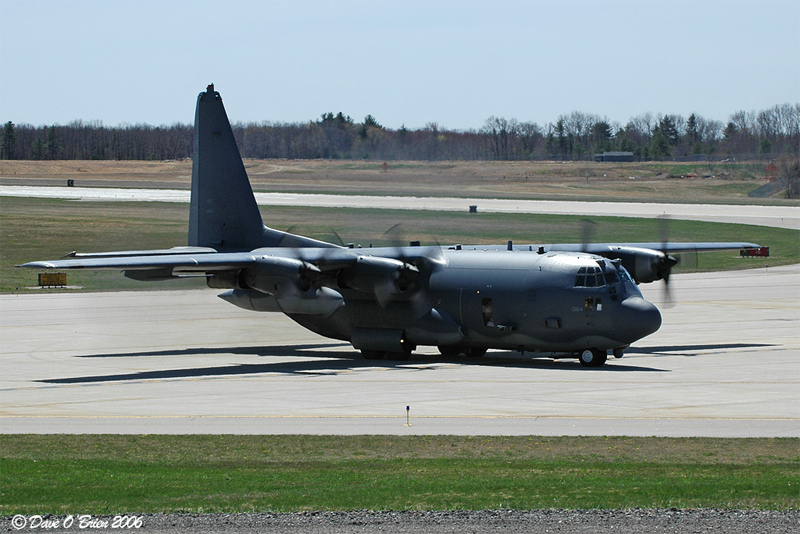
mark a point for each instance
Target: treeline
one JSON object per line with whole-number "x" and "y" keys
{"x": 92, "y": 140}
{"x": 577, "y": 136}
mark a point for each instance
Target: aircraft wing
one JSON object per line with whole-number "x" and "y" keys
{"x": 383, "y": 272}
{"x": 646, "y": 262}
{"x": 302, "y": 280}
{"x": 178, "y": 263}
{"x": 675, "y": 248}
{"x": 276, "y": 271}
{"x": 174, "y": 251}
{"x": 193, "y": 262}
{"x": 599, "y": 248}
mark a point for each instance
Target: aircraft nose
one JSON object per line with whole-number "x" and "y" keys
{"x": 636, "y": 318}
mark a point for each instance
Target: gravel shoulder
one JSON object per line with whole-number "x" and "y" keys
{"x": 551, "y": 521}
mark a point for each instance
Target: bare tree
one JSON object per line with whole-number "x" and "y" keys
{"x": 789, "y": 174}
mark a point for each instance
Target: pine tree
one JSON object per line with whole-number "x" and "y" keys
{"x": 9, "y": 141}
{"x": 692, "y": 134}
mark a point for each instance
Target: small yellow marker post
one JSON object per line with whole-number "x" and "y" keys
{"x": 408, "y": 416}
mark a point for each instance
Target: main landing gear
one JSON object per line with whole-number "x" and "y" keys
{"x": 592, "y": 357}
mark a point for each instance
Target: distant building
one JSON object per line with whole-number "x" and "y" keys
{"x": 614, "y": 156}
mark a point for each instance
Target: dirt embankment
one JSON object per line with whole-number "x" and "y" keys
{"x": 654, "y": 181}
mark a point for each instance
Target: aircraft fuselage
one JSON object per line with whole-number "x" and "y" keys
{"x": 478, "y": 299}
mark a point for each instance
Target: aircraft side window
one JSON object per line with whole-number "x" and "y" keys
{"x": 611, "y": 278}
{"x": 486, "y": 311}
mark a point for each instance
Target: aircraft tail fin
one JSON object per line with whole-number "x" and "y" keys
{"x": 223, "y": 212}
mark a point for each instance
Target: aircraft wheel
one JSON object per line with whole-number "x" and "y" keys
{"x": 593, "y": 357}
{"x": 475, "y": 352}
{"x": 619, "y": 353}
{"x": 373, "y": 354}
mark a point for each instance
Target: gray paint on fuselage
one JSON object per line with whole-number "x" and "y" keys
{"x": 526, "y": 289}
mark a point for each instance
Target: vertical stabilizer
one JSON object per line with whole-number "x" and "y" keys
{"x": 223, "y": 212}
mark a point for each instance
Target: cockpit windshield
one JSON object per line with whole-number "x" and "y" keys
{"x": 604, "y": 274}
{"x": 590, "y": 277}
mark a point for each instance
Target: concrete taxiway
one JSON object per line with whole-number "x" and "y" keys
{"x": 777, "y": 216}
{"x": 725, "y": 363}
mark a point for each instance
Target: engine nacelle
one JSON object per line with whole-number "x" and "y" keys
{"x": 279, "y": 276}
{"x": 375, "y": 274}
{"x": 644, "y": 265}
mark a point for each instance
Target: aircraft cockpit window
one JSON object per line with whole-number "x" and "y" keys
{"x": 593, "y": 277}
{"x": 623, "y": 274}
{"x": 600, "y": 279}
{"x": 611, "y": 278}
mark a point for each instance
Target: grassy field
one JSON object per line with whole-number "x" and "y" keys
{"x": 706, "y": 182}
{"x": 38, "y": 229}
{"x": 136, "y": 474}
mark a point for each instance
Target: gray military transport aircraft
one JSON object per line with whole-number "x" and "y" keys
{"x": 560, "y": 300}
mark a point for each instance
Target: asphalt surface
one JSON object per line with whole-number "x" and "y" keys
{"x": 726, "y": 363}
{"x": 777, "y": 216}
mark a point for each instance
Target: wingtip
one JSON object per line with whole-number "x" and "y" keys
{"x": 36, "y": 265}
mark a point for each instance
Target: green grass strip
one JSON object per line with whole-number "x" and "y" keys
{"x": 138, "y": 474}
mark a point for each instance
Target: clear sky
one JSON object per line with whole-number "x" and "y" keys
{"x": 453, "y": 62}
